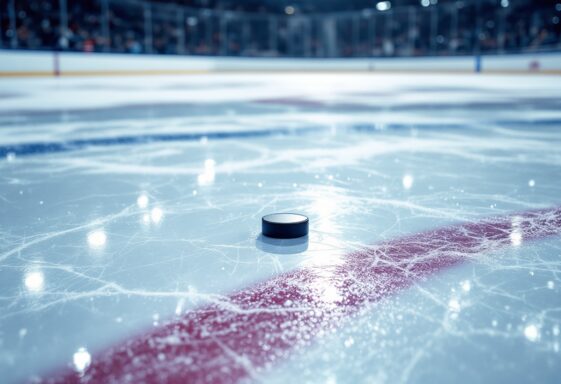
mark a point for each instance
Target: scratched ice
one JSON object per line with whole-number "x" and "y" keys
{"x": 130, "y": 213}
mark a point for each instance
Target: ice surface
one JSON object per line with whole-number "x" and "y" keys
{"x": 129, "y": 205}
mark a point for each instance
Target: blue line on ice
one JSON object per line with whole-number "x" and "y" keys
{"x": 39, "y": 148}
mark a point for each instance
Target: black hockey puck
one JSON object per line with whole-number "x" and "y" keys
{"x": 284, "y": 225}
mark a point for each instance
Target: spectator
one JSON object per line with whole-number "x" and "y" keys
{"x": 174, "y": 29}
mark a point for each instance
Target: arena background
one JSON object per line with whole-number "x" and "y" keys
{"x": 479, "y": 32}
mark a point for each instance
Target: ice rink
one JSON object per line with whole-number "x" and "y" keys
{"x": 130, "y": 246}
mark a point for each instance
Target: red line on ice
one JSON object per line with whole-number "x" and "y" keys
{"x": 258, "y": 326}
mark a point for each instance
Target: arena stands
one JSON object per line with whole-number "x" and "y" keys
{"x": 275, "y": 29}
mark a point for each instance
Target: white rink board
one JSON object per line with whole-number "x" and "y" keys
{"x": 99, "y": 63}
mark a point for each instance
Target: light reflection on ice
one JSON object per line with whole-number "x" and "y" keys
{"x": 34, "y": 281}
{"x": 349, "y": 342}
{"x": 156, "y": 215}
{"x": 532, "y": 332}
{"x": 207, "y": 176}
{"x": 326, "y": 209}
{"x": 516, "y": 234}
{"x": 142, "y": 201}
{"x": 454, "y": 305}
{"x": 146, "y": 219}
{"x": 516, "y": 237}
{"x": 81, "y": 359}
{"x": 179, "y": 306}
{"x": 327, "y": 206}
{"x": 97, "y": 239}
{"x": 407, "y": 181}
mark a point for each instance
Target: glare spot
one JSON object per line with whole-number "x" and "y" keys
{"x": 532, "y": 333}
{"x": 142, "y": 201}
{"x": 192, "y": 21}
{"x": 97, "y": 239}
{"x": 34, "y": 281}
{"x": 516, "y": 234}
{"x": 260, "y": 185}
{"x": 407, "y": 181}
{"x": 22, "y": 333}
{"x": 505, "y": 3}
{"x": 208, "y": 175}
{"x": 195, "y": 192}
{"x": 81, "y": 359}
{"x": 425, "y": 3}
{"x": 494, "y": 323}
{"x": 289, "y": 10}
{"x": 454, "y": 305}
{"x": 466, "y": 286}
{"x": 383, "y": 6}
{"x": 331, "y": 294}
{"x": 156, "y": 316}
{"x": 556, "y": 330}
{"x": 146, "y": 218}
{"x": 349, "y": 342}
{"x": 179, "y": 306}
{"x": 550, "y": 284}
{"x": 532, "y": 183}
{"x": 516, "y": 238}
{"x": 156, "y": 214}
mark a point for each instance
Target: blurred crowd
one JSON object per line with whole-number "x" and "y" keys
{"x": 453, "y": 28}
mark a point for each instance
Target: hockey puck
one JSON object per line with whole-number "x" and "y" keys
{"x": 284, "y": 225}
